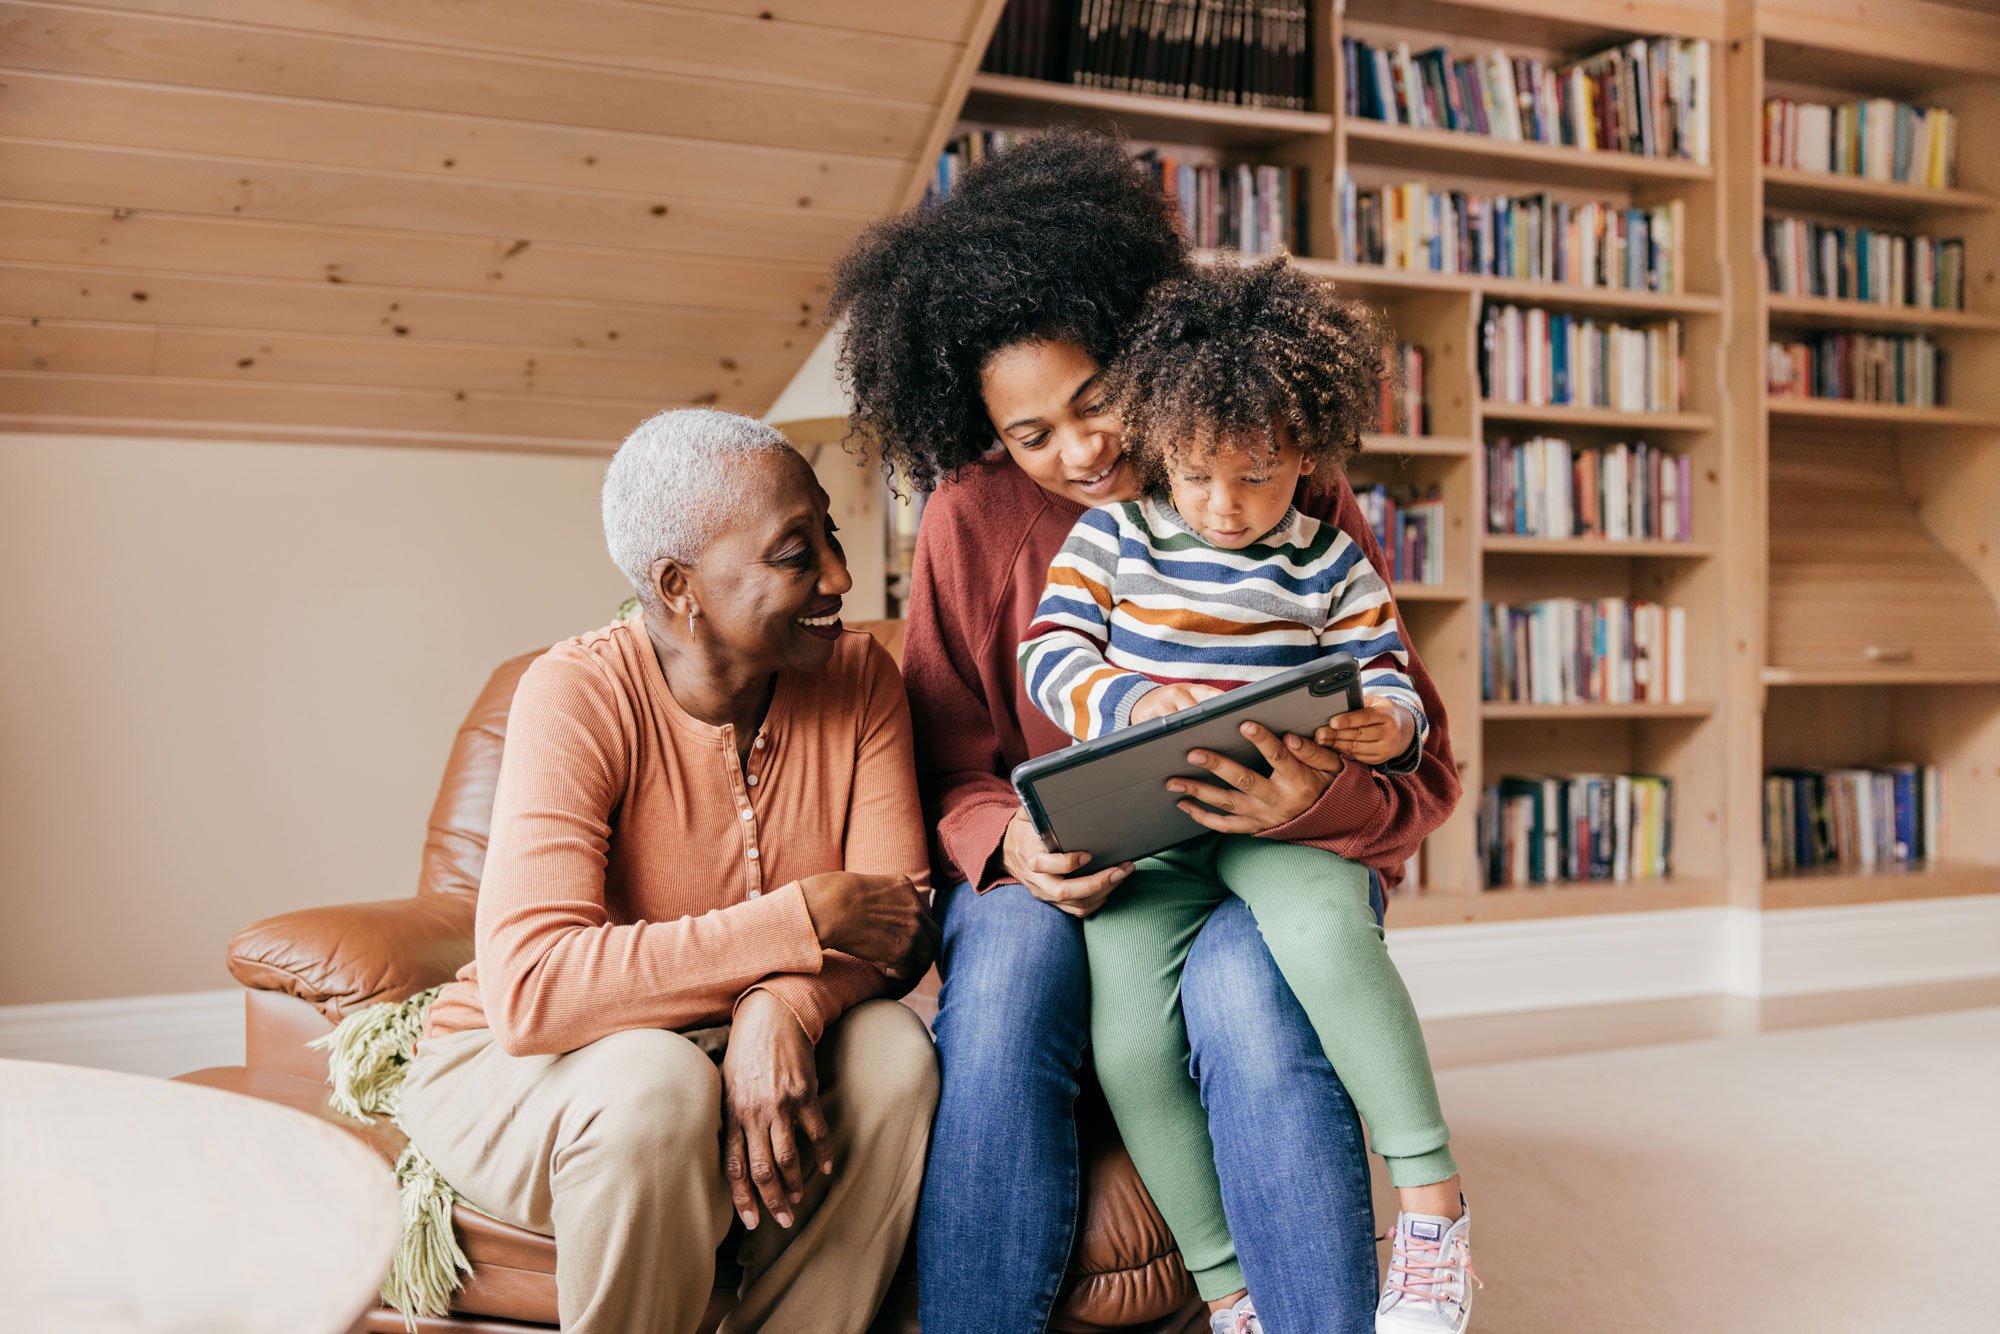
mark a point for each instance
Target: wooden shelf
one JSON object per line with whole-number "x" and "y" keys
{"x": 1004, "y": 98}
{"x": 1838, "y": 887}
{"x": 1478, "y": 154}
{"x": 1788, "y": 187}
{"x": 1564, "y": 899}
{"x": 1506, "y": 544}
{"x": 1413, "y": 592}
{"x": 1884, "y": 414}
{"x": 1418, "y": 446}
{"x": 1560, "y": 415}
{"x": 1532, "y": 713}
{"x": 1820, "y": 312}
{"x": 1382, "y": 277}
{"x": 1889, "y": 674}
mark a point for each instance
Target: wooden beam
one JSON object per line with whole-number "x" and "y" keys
{"x": 75, "y": 109}
{"x": 740, "y": 48}
{"x": 181, "y": 51}
{"x": 155, "y": 241}
{"x": 395, "y": 315}
{"x": 184, "y": 183}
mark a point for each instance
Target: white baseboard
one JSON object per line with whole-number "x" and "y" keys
{"x": 1548, "y": 963}
{"x": 141, "y": 1035}
{"x": 1878, "y": 945}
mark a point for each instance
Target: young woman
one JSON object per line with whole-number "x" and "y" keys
{"x": 977, "y": 333}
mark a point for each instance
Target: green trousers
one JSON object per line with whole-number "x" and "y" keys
{"x": 1312, "y": 909}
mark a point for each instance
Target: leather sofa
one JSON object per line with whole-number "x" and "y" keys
{"x": 306, "y": 970}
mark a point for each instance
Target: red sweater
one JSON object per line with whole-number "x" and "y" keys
{"x": 982, "y": 559}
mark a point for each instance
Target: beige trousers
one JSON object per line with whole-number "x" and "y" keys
{"x": 614, "y": 1150}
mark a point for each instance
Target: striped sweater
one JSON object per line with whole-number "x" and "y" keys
{"x": 1136, "y": 600}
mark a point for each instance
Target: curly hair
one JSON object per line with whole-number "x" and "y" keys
{"x": 1236, "y": 354}
{"x": 1056, "y": 239}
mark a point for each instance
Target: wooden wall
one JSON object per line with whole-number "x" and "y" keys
{"x": 492, "y": 223}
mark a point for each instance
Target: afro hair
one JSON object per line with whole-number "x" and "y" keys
{"x": 1247, "y": 355}
{"x": 1057, "y": 239}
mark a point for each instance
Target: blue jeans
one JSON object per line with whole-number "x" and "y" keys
{"x": 999, "y": 1208}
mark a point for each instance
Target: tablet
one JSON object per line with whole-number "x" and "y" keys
{"x": 1109, "y": 797}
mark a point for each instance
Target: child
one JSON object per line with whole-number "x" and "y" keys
{"x": 1237, "y": 384}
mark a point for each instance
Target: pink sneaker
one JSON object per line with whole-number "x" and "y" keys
{"x": 1426, "y": 1291}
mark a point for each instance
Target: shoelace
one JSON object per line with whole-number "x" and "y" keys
{"x": 1419, "y": 1269}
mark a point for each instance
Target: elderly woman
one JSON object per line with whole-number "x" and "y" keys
{"x": 976, "y": 334}
{"x": 706, "y": 815}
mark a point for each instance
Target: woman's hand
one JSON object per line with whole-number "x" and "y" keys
{"x": 1047, "y": 876}
{"x": 879, "y": 919}
{"x": 1163, "y": 700}
{"x": 1252, "y": 803}
{"x": 773, "y": 1131}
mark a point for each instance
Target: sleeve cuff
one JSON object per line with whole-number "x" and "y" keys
{"x": 1121, "y": 717}
{"x": 974, "y": 844}
{"x": 1413, "y": 754}
{"x": 1345, "y": 808}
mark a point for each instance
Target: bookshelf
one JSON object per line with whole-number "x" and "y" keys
{"x": 1845, "y": 506}
{"x": 1791, "y": 521}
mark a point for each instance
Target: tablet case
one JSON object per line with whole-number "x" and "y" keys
{"x": 1109, "y": 798}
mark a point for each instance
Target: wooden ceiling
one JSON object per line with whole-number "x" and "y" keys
{"x": 488, "y": 223}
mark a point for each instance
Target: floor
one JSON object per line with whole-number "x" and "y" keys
{"x": 1490, "y": 1039}
{"x": 1718, "y": 1165}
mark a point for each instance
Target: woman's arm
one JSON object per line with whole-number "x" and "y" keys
{"x": 554, "y": 974}
{"x": 961, "y": 769}
{"x": 885, "y": 836}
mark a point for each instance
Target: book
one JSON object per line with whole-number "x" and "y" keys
{"x": 1534, "y": 356}
{"x": 1549, "y": 487}
{"x": 1534, "y": 238}
{"x": 1876, "y": 139}
{"x": 1845, "y": 262}
{"x": 1256, "y": 208}
{"x": 1855, "y": 817}
{"x": 1904, "y": 369}
{"x": 1649, "y": 96}
{"x": 1544, "y": 829}
{"x": 1583, "y": 651}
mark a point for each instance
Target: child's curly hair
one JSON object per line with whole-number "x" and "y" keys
{"x": 1058, "y": 238}
{"x": 1236, "y": 354}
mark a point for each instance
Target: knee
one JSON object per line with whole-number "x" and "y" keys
{"x": 654, "y": 1098}
{"x": 888, "y": 1066}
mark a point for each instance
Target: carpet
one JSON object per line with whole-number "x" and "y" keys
{"x": 1816, "y": 1182}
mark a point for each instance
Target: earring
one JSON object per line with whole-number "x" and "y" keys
{"x": 690, "y": 624}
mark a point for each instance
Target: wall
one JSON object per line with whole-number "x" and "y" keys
{"x": 232, "y": 673}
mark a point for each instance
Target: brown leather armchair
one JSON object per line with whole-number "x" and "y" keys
{"x": 307, "y": 970}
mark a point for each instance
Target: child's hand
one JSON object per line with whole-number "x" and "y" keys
{"x": 1172, "y": 699}
{"x": 1377, "y": 732}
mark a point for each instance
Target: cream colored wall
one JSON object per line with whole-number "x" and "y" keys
{"x": 231, "y": 673}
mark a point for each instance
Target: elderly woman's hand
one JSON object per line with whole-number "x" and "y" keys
{"x": 1254, "y": 803}
{"x": 879, "y": 919}
{"x": 773, "y": 1131}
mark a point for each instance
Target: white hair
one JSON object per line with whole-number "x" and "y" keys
{"x": 672, "y": 486}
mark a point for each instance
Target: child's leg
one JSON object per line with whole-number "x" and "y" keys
{"x": 1312, "y": 907}
{"x": 1137, "y": 943}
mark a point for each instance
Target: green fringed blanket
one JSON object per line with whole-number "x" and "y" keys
{"x": 367, "y": 1057}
